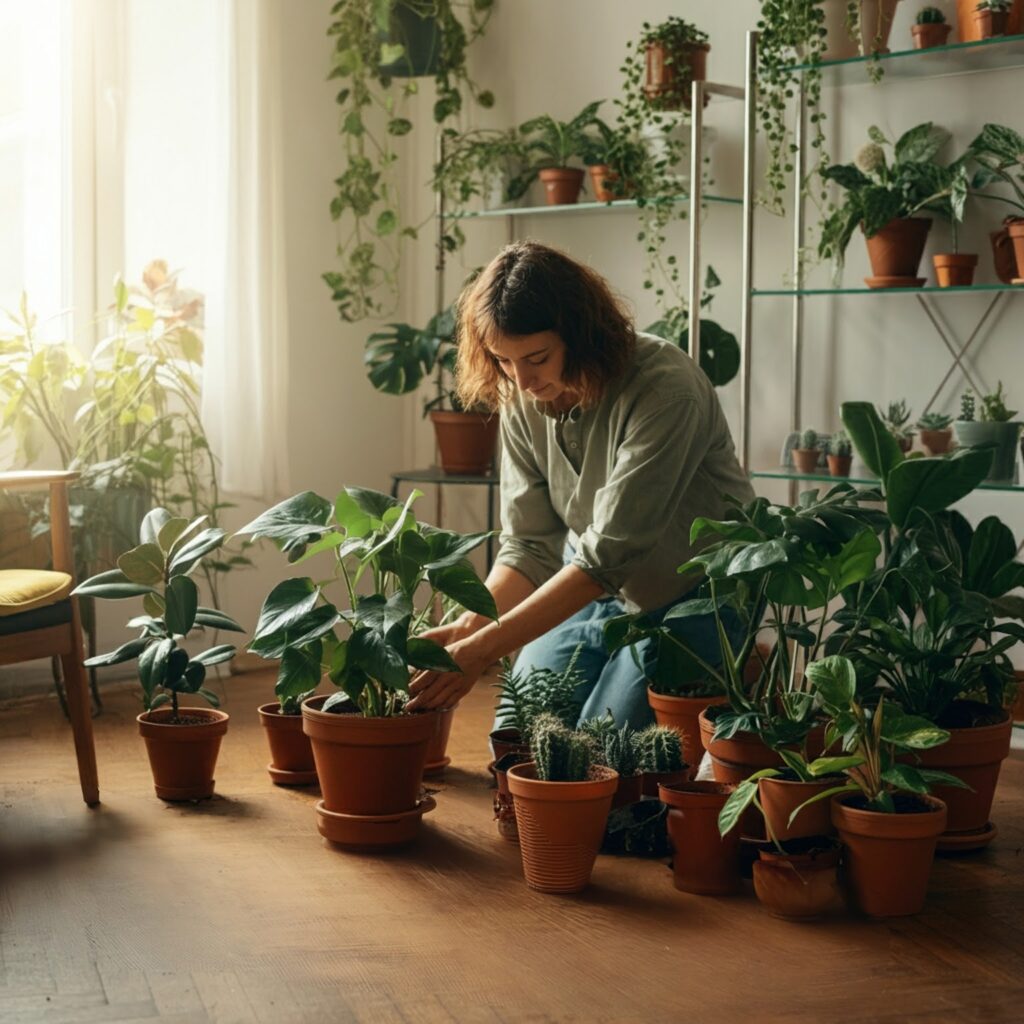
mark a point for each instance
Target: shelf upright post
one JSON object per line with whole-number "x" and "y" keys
{"x": 439, "y": 211}
{"x": 749, "y": 153}
{"x": 694, "y": 200}
{"x": 799, "y": 173}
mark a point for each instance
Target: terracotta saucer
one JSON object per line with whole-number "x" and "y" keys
{"x": 281, "y": 777}
{"x": 437, "y": 767}
{"x": 961, "y": 842}
{"x": 894, "y": 282}
{"x": 372, "y": 831}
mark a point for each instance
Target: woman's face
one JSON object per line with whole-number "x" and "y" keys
{"x": 534, "y": 363}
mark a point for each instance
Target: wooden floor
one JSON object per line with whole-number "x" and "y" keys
{"x": 235, "y": 910}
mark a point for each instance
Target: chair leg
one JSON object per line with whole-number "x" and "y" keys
{"x": 77, "y": 688}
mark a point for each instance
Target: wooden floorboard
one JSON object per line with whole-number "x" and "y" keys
{"x": 235, "y": 910}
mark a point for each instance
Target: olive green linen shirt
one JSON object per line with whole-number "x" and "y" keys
{"x": 622, "y": 482}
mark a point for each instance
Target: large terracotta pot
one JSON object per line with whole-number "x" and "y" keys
{"x": 561, "y": 185}
{"x": 183, "y": 757}
{"x": 799, "y": 885}
{"x": 437, "y": 757}
{"x": 889, "y": 856}
{"x": 1015, "y": 229}
{"x": 368, "y": 766}
{"x": 705, "y": 862}
{"x": 974, "y": 755}
{"x": 682, "y": 714}
{"x": 781, "y": 797}
{"x": 561, "y": 825}
{"x": 895, "y": 252}
{"x": 668, "y": 75}
{"x": 466, "y": 441}
{"x": 291, "y": 756}
{"x": 967, "y": 28}
{"x": 875, "y": 26}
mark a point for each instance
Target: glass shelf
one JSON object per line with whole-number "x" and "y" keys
{"x": 616, "y": 204}
{"x": 999, "y": 54}
{"x": 782, "y": 473}
{"x": 929, "y": 289}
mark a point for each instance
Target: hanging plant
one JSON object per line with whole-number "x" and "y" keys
{"x": 377, "y": 42}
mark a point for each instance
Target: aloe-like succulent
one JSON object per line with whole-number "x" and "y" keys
{"x": 934, "y": 421}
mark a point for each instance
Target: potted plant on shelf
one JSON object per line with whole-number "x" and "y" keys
{"x": 968, "y": 28}
{"x": 883, "y": 199}
{"x": 991, "y": 18}
{"x": 999, "y": 153}
{"x": 400, "y": 357}
{"x": 661, "y": 758}
{"x": 562, "y": 803}
{"x": 936, "y": 437}
{"x": 896, "y": 417}
{"x": 674, "y": 54}
{"x": 857, "y": 27}
{"x": 807, "y": 454}
{"x": 996, "y": 429}
{"x": 369, "y": 752}
{"x": 550, "y": 145}
{"x": 182, "y": 742}
{"x": 839, "y": 453}
{"x": 954, "y": 269}
{"x": 930, "y": 28}
{"x": 615, "y": 161}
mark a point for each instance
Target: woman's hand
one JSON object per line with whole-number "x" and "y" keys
{"x": 459, "y": 629}
{"x": 430, "y": 689}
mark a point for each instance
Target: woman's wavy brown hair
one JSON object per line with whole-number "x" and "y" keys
{"x": 528, "y": 288}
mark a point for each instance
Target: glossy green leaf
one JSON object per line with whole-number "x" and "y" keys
{"x": 930, "y": 485}
{"x": 288, "y": 602}
{"x": 182, "y": 597}
{"x": 126, "y": 652}
{"x": 112, "y": 585}
{"x": 297, "y": 518}
{"x": 461, "y": 583}
{"x": 875, "y": 445}
{"x": 170, "y": 532}
{"x": 835, "y": 679}
{"x": 143, "y": 564}
{"x": 152, "y": 523}
{"x": 216, "y": 655}
{"x": 186, "y": 557}
{"x": 213, "y": 618}
{"x": 425, "y": 654}
{"x": 299, "y": 673}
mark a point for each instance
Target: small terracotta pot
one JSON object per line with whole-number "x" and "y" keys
{"x": 799, "y": 885}
{"x": 781, "y": 797}
{"x": 1015, "y": 229}
{"x": 437, "y": 758}
{"x": 668, "y": 76}
{"x": 602, "y": 178}
{"x": 630, "y": 790}
{"x": 805, "y": 460}
{"x": 937, "y": 442}
{"x": 927, "y": 36}
{"x": 905, "y": 442}
{"x": 989, "y": 24}
{"x": 974, "y": 755}
{"x": 652, "y": 780}
{"x": 561, "y": 826}
{"x": 705, "y": 862}
{"x": 1004, "y": 260}
{"x": 561, "y": 185}
{"x": 955, "y": 270}
{"x": 183, "y": 757}
{"x": 967, "y": 29}
{"x": 839, "y": 465}
{"x": 682, "y": 714}
{"x": 291, "y": 756}
{"x": 889, "y": 856}
{"x": 895, "y": 250}
{"x": 466, "y": 441}
{"x": 368, "y": 766}
{"x": 507, "y": 741}
{"x": 504, "y": 806}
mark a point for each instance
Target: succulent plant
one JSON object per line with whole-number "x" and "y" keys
{"x": 934, "y": 421}
{"x": 562, "y": 755}
{"x": 967, "y": 406}
{"x": 808, "y": 439}
{"x": 839, "y": 444}
{"x": 993, "y": 407}
{"x": 661, "y": 750}
{"x": 930, "y": 16}
{"x": 620, "y": 751}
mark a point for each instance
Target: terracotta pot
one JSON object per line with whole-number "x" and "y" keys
{"x": 466, "y": 441}
{"x": 437, "y": 758}
{"x": 630, "y": 790}
{"x": 705, "y": 862}
{"x": 562, "y": 185}
{"x": 507, "y": 741}
{"x": 781, "y": 797}
{"x": 745, "y": 751}
{"x": 291, "y": 756}
{"x": 1004, "y": 260}
{"x": 368, "y": 766}
{"x": 1015, "y": 229}
{"x": 1002, "y": 436}
{"x": 974, "y": 755}
{"x": 504, "y": 806}
{"x": 937, "y": 442}
{"x": 805, "y": 460}
{"x": 967, "y": 29}
{"x": 889, "y": 856}
{"x": 682, "y": 714}
{"x": 1017, "y": 708}
{"x": 927, "y": 36}
{"x": 954, "y": 270}
{"x": 905, "y": 442}
{"x": 561, "y": 826}
{"x": 989, "y": 24}
{"x": 652, "y": 780}
{"x": 183, "y": 757}
{"x": 800, "y": 885}
{"x": 895, "y": 251}
{"x": 668, "y": 76}
{"x": 839, "y": 465}
{"x": 602, "y": 178}
{"x": 876, "y": 24}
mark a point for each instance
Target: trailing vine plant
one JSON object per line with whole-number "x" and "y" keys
{"x": 369, "y": 48}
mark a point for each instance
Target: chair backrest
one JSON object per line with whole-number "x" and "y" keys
{"x": 58, "y": 481}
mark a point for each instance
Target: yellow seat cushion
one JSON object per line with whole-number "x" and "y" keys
{"x": 21, "y": 590}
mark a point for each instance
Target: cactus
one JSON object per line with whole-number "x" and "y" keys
{"x": 661, "y": 750}
{"x": 620, "y": 751}
{"x": 934, "y": 421}
{"x": 596, "y": 729}
{"x": 561, "y": 754}
{"x": 930, "y": 16}
{"x": 809, "y": 439}
{"x": 967, "y": 406}
{"x": 839, "y": 444}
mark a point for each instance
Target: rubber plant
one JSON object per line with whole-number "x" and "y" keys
{"x": 367, "y": 56}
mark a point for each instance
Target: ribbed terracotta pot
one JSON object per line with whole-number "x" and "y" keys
{"x": 437, "y": 756}
{"x": 368, "y": 766}
{"x": 974, "y": 755}
{"x": 668, "y": 75}
{"x": 955, "y": 270}
{"x": 927, "y": 36}
{"x": 652, "y": 780}
{"x": 629, "y": 791}
{"x": 781, "y": 797}
{"x": 1015, "y": 229}
{"x": 466, "y": 441}
{"x": 183, "y": 757}
{"x": 291, "y": 756}
{"x": 889, "y": 856}
{"x": 937, "y": 442}
{"x": 683, "y": 715}
{"x": 799, "y": 885}
{"x": 895, "y": 250}
{"x": 561, "y": 825}
{"x": 705, "y": 862}
{"x": 561, "y": 185}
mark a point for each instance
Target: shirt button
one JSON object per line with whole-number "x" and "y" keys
{"x": 573, "y": 444}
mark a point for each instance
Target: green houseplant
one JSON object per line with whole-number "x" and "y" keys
{"x": 991, "y": 18}
{"x": 375, "y": 42}
{"x": 182, "y": 743}
{"x": 673, "y": 55}
{"x": 930, "y": 28}
{"x": 996, "y": 428}
{"x": 999, "y": 153}
{"x": 369, "y": 754}
{"x": 550, "y": 145}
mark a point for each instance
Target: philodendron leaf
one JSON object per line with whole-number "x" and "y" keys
{"x": 835, "y": 679}
{"x": 182, "y": 598}
{"x": 740, "y": 799}
{"x": 144, "y": 564}
{"x": 300, "y": 671}
{"x": 910, "y": 731}
{"x": 422, "y": 653}
{"x": 931, "y": 485}
{"x": 833, "y": 765}
{"x": 875, "y": 445}
{"x": 295, "y": 519}
{"x": 288, "y": 602}
{"x": 112, "y": 585}
{"x": 461, "y": 583}
{"x": 903, "y": 776}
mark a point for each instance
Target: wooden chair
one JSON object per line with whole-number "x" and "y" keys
{"x": 40, "y": 619}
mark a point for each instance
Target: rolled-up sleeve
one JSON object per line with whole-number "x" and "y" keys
{"x": 532, "y": 533}
{"x": 654, "y": 464}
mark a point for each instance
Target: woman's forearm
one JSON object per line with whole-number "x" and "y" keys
{"x": 508, "y": 587}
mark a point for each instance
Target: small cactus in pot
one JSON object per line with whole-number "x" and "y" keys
{"x": 807, "y": 454}
{"x": 839, "y": 452}
{"x": 561, "y": 755}
{"x": 929, "y": 28}
{"x": 936, "y": 435}
{"x": 661, "y": 758}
